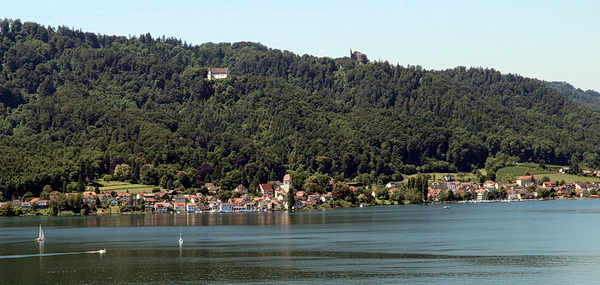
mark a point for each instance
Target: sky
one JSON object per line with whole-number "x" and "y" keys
{"x": 550, "y": 40}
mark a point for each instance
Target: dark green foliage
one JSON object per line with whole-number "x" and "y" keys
{"x": 588, "y": 98}
{"x": 75, "y": 105}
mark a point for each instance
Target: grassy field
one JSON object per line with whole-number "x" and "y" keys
{"x": 571, "y": 178}
{"x": 440, "y": 176}
{"x": 521, "y": 169}
{"x": 513, "y": 172}
{"x": 121, "y": 187}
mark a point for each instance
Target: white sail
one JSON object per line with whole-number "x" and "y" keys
{"x": 40, "y": 234}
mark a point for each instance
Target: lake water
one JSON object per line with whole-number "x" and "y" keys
{"x": 553, "y": 242}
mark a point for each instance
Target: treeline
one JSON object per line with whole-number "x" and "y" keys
{"x": 589, "y": 98}
{"x": 75, "y": 105}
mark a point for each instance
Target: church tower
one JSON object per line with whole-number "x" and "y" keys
{"x": 287, "y": 183}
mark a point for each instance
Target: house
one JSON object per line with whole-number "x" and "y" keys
{"x": 452, "y": 185}
{"x": 148, "y": 195}
{"x": 581, "y": 185}
{"x": 480, "y": 193}
{"x": 212, "y": 189}
{"x": 499, "y": 185}
{"x": 41, "y": 204}
{"x": 217, "y": 73}
{"x": 238, "y": 204}
{"x": 274, "y": 206}
{"x": 191, "y": 207}
{"x": 104, "y": 198}
{"x": 241, "y": 189}
{"x": 438, "y": 185}
{"x": 326, "y": 197}
{"x": 89, "y": 197}
{"x": 226, "y": 207}
{"x": 163, "y": 207}
{"x": 358, "y": 56}
{"x": 179, "y": 199}
{"x": 163, "y": 196}
{"x": 393, "y": 184}
{"x": 179, "y": 207}
{"x": 298, "y": 204}
{"x": 214, "y": 205}
{"x": 459, "y": 192}
{"x": 250, "y": 206}
{"x": 26, "y": 206}
{"x": 125, "y": 198}
{"x": 301, "y": 196}
{"x": 266, "y": 189}
{"x": 280, "y": 193}
{"x": 513, "y": 194}
{"x": 468, "y": 187}
{"x": 150, "y": 201}
{"x": 549, "y": 184}
{"x": 489, "y": 185}
{"x": 448, "y": 178}
{"x": 196, "y": 198}
{"x": 434, "y": 194}
{"x": 523, "y": 181}
{"x": 564, "y": 170}
{"x": 314, "y": 197}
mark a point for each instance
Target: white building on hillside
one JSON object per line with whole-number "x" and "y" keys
{"x": 217, "y": 73}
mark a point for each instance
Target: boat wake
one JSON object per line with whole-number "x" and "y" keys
{"x": 50, "y": 254}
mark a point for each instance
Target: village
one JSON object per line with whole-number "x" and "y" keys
{"x": 273, "y": 196}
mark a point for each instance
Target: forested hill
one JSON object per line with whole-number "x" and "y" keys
{"x": 75, "y": 105}
{"x": 588, "y": 98}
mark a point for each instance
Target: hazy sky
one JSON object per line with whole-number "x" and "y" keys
{"x": 549, "y": 40}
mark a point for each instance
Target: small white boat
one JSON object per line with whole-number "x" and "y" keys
{"x": 180, "y": 239}
{"x": 446, "y": 207}
{"x": 101, "y": 251}
{"x": 40, "y": 235}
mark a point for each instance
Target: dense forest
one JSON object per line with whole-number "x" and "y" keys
{"x": 76, "y": 106}
{"x": 589, "y": 98}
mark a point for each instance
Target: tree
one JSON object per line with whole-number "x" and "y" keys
{"x": 543, "y": 193}
{"x": 574, "y": 168}
{"x": 122, "y": 172}
{"x": 291, "y": 198}
{"x": 204, "y": 171}
{"x": 382, "y": 193}
{"x": 341, "y": 191}
{"x": 317, "y": 183}
{"x": 46, "y": 192}
{"x": 149, "y": 175}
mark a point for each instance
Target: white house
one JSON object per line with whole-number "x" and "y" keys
{"x": 217, "y": 73}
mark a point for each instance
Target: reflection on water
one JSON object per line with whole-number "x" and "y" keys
{"x": 532, "y": 242}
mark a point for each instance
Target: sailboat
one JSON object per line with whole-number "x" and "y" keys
{"x": 40, "y": 235}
